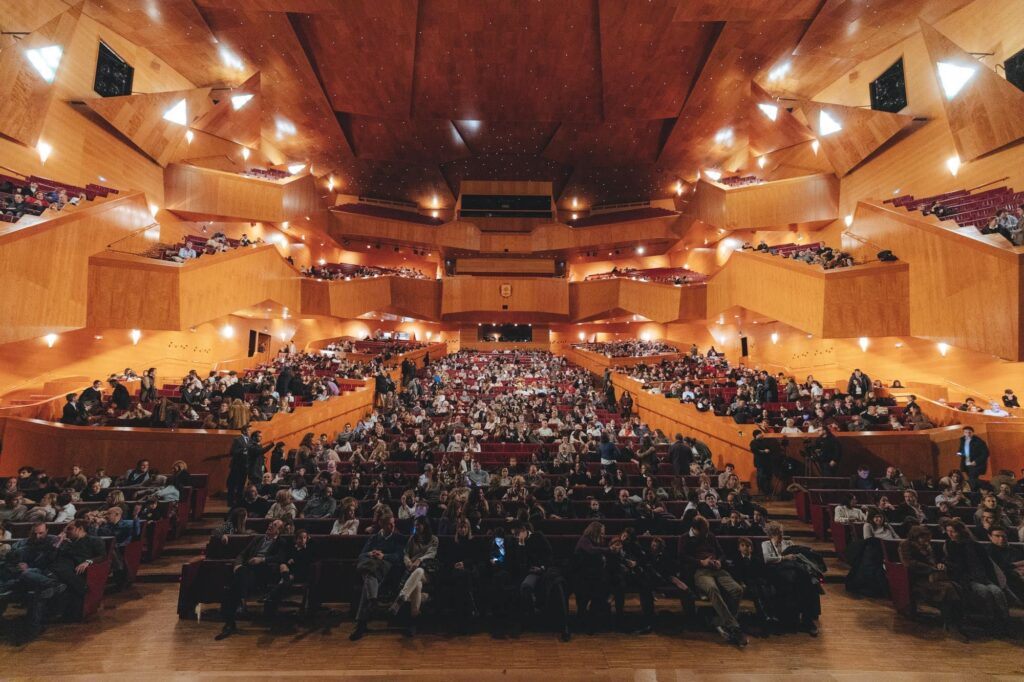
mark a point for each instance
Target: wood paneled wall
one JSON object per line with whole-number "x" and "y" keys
{"x": 541, "y": 296}
{"x": 964, "y": 288}
{"x": 208, "y": 192}
{"x": 523, "y": 266}
{"x": 658, "y": 302}
{"x": 801, "y": 200}
{"x": 45, "y": 265}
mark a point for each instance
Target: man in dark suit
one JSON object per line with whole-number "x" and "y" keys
{"x": 257, "y": 457}
{"x": 25, "y": 574}
{"x": 284, "y": 381}
{"x": 239, "y": 466}
{"x": 93, "y": 394}
{"x": 680, "y": 455}
{"x": 859, "y": 384}
{"x": 973, "y": 454}
{"x": 119, "y": 397}
{"x": 76, "y": 552}
{"x": 762, "y": 451}
{"x": 257, "y": 567}
{"x": 72, "y": 414}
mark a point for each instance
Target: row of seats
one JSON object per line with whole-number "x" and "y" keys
{"x": 662, "y": 275}
{"x": 740, "y": 181}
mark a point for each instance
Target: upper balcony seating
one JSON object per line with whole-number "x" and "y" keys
{"x": 741, "y": 181}
{"x": 386, "y": 213}
{"x": 659, "y": 275}
{"x": 348, "y": 271}
{"x": 11, "y": 212}
{"x": 964, "y": 208}
{"x": 265, "y": 173}
{"x": 621, "y": 217}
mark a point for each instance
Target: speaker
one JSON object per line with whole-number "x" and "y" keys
{"x": 744, "y": 351}
{"x": 114, "y": 75}
{"x": 886, "y": 256}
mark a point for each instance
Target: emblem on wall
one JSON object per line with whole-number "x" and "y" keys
{"x": 505, "y": 290}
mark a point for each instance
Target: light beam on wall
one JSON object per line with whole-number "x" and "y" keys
{"x": 775, "y": 338}
{"x": 239, "y": 101}
{"x": 178, "y": 113}
{"x": 713, "y": 174}
{"x": 761, "y": 161}
{"x": 953, "y": 164}
{"x": 954, "y": 77}
{"x": 815, "y": 146}
{"x": 827, "y": 125}
{"x": 863, "y": 343}
{"x": 227, "y": 331}
{"x": 779, "y": 71}
{"x": 245, "y": 153}
{"x": 189, "y": 136}
{"x": 135, "y": 335}
{"x": 45, "y": 60}
{"x": 848, "y": 220}
{"x": 50, "y": 339}
{"x": 770, "y": 110}
{"x": 44, "y": 149}
{"x": 943, "y": 348}
{"x": 296, "y": 167}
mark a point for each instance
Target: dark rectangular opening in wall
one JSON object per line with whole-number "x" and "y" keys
{"x": 744, "y": 351}
{"x": 505, "y": 333}
{"x": 252, "y": 342}
{"x": 114, "y": 76}
{"x": 1015, "y": 69}
{"x": 889, "y": 91}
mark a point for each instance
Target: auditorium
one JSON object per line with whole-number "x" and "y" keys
{"x": 524, "y": 339}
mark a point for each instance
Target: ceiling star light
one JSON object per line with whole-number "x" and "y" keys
{"x": 827, "y": 124}
{"x": 954, "y": 77}
{"x": 178, "y": 113}
{"x": 770, "y": 110}
{"x": 239, "y": 101}
{"x": 45, "y": 60}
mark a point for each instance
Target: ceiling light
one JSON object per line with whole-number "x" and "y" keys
{"x": 135, "y": 335}
{"x": 575, "y": 215}
{"x": 863, "y": 343}
{"x": 848, "y": 220}
{"x": 724, "y": 136}
{"x": 761, "y": 161}
{"x": 775, "y": 337}
{"x": 815, "y": 146}
{"x": 227, "y": 331}
{"x": 323, "y": 261}
{"x": 770, "y": 110}
{"x": 296, "y": 167}
{"x": 953, "y": 164}
{"x": 178, "y": 113}
{"x": 827, "y": 125}
{"x": 231, "y": 59}
{"x": 45, "y": 60}
{"x": 575, "y": 202}
{"x": 435, "y": 202}
{"x": 283, "y": 127}
{"x": 239, "y": 101}
{"x": 50, "y": 339}
{"x": 779, "y": 71}
{"x": 954, "y": 77}
{"x": 713, "y": 174}
{"x": 640, "y": 250}
{"x": 943, "y": 348}
{"x": 435, "y": 214}
{"x": 245, "y": 153}
{"x": 189, "y": 136}
{"x": 44, "y": 150}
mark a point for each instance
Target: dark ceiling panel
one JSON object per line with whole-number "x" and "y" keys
{"x": 622, "y": 143}
{"x": 364, "y": 56}
{"x": 648, "y": 60}
{"x": 410, "y": 181}
{"x": 508, "y": 61}
{"x": 491, "y": 137}
{"x": 429, "y": 141}
{"x": 500, "y": 166}
{"x": 618, "y": 184}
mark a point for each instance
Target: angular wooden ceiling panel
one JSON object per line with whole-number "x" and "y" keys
{"x": 856, "y": 133}
{"x": 365, "y": 56}
{"x": 649, "y": 59}
{"x": 493, "y": 137}
{"x": 411, "y": 181}
{"x": 505, "y": 166}
{"x": 745, "y": 10}
{"x": 141, "y": 118}
{"x": 242, "y": 124}
{"x": 25, "y": 95}
{"x": 765, "y": 134}
{"x": 507, "y": 61}
{"x": 988, "y": 111}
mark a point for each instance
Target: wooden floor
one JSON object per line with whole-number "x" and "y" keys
{"x": 141, "y": 638}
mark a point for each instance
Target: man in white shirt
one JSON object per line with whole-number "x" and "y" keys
{"x": 186, "y": 253}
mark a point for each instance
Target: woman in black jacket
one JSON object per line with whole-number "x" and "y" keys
{"x": 590, "y": 571}
{"x": 462, "y": 561}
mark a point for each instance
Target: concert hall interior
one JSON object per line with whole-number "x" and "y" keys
{"x": 598, "y": 339}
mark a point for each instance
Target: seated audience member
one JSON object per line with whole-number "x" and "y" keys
{"x": 795, "y": 585}
{"x": 929, "y": 580}
{"x": 421, "y": 565}
{"x": 73, "y": 414}
{"x": 185, "y": 253}
{"x": 849, "y": 512}
{"x": 382, "y": 554}
{"x": 25, "y": 576}
{"x": 1010, "y": 399}
{"x": 1009, "y": 560}
{"x": 76, "y": 552}
{"x": 971, "y": 568}
{"x": 703, "y": 555}
{"x": 530, "y": 566}
{"x": 257, "y": 567}
{"x": 139, "y": 475}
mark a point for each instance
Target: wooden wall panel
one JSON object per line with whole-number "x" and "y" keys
{"x": 419, "y": 298}
{"x": 863, "y": 132}
{"x": 45, "y": 265}
{"x": 25, "y": 95}
{"x": 867, "y": 300}
{"x": 985, "y": 114}
{"x": 208, "y": 192}
{"x": 237, "y": 125}
{"x": 589, "y": 300}
{"x": 524, "y": 266}
{"x": 794, "y": 201}
{"x": 964, "y": 288}
{"x": 543, "y": 296}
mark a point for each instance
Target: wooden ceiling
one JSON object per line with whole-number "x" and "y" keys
{"x": 612, "y": 100}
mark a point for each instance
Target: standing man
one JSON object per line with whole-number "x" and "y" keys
{"x": 680, "y": 455}
{"x": 859, "y": 384}
{"x": 239, "y": 466}
{"x": 762, "y": 451}
{"x": 973, "y": 454}
{"x": 257, "y": 457}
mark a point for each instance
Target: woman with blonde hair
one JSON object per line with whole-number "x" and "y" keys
{"x": 238, "y": 414}
{"x": 283, "y": 507}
